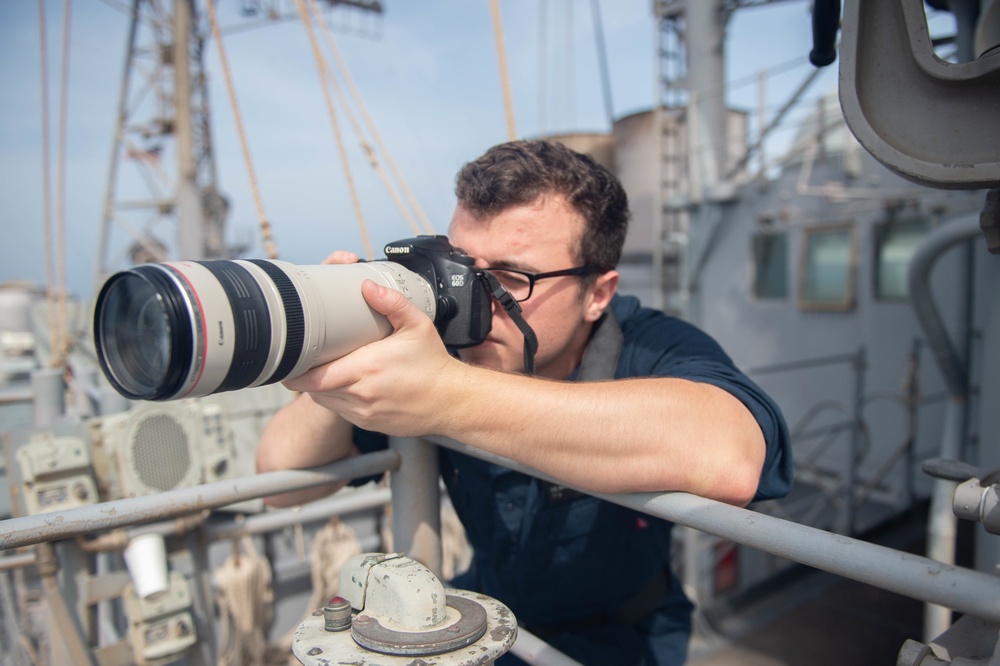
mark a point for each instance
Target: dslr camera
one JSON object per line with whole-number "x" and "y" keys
{"x": 192, "y": 328}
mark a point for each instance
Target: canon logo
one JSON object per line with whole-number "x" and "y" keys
{"x": 397, "y": 250}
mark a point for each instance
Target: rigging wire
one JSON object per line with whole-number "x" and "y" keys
{"x": 55, "y": 268}
{"x": 542, "y": 65}
{"x": 504, "y": 77}
{"x": 373, "y": 130}
{"x": 60, "y": 352}
{"x": 50, "y": 296}
{"x": 359, "y": 132}
{"x": 570, "y": 68}
{"x": 322, "y": 70}
{"x": 602, "y": 59}
{"x": 267, "y": 239}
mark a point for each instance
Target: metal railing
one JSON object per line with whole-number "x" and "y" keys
{"x": 416, "y": 519}
{"x": 417, "y": 509}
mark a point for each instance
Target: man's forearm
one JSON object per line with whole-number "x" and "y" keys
{"x": 654, "y": 434}
{"x": 303, "y": 434}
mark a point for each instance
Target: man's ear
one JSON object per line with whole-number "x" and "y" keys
{"x": 599, "y": 295}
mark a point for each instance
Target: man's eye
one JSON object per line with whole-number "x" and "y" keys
{"x": 511, "y": 280}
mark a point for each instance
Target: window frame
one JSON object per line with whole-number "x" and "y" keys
{"x": 880, "y": 232}
{"x": 846, "y": 304}
{"x": 755, "y": 265}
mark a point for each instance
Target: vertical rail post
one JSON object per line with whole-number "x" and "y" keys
{"x": 416, "y": 502}
{"x": 49, "y": 396}
{"x": 860, "y": 366}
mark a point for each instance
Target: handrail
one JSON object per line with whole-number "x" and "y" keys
{"x": 958, "y": 588}
{"x": 28, "y": 530}
{"x": 802, "y": 364}
{"x": 914, "y": 576}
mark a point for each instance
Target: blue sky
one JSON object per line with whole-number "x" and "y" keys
{"x": 429, "y": 78}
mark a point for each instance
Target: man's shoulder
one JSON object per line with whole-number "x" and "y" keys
{"x": 653, "y": 329}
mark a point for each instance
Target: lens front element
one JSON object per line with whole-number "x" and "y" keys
{"x": 137, "y": 335}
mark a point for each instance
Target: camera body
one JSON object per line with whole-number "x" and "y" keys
{"x": 464, "y": 308}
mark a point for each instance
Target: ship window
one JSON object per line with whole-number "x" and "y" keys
{"x": 895, "y": 243}
{"x": 770, "y": 261}
{"x": 827, "y": 275}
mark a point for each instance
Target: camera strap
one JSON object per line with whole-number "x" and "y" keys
{"x": 514, "y": 310}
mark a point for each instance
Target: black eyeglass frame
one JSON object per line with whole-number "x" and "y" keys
{"x": 535, "y": 277}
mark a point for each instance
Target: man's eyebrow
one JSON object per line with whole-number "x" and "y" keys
{"x": 512, "y": 263}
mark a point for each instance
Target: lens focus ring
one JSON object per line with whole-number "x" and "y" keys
{"x": 295, "y": 325}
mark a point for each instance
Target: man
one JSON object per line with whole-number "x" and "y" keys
{"x": 624, "y": 399}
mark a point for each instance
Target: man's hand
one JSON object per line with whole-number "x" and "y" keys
{"x": 401, "y": 385}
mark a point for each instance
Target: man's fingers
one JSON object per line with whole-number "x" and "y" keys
{"x": 389, "y": 302}
{"x": 341, "y": 257}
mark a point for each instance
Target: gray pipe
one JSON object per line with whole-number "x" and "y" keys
{"x": 271, "y": 521}
{"x": 416, "y": 502}
{"x": 941, "y": 522}
{"x": 922, "y": 298}
{"x": 535, "y": 651}
{"x": 49, "y": 395}
{"x": 911, "y": 575}
{"x": 183, "y": 501}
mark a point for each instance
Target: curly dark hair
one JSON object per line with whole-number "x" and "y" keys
{"x": 518, "y": 172}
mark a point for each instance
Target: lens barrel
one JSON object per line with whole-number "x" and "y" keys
{"x": 186, "y": 329}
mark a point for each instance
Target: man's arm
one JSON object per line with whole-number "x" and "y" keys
{"x": 631, "y": 435}
{"x": 303, "y": 434}
{"x": 654, "y": 434}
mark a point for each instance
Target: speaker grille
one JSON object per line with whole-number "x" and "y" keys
{"x": 160, "y": 453}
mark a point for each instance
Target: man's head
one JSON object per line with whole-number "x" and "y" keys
{"x": 537, "y": 207}
{"x": 519, "y": 172}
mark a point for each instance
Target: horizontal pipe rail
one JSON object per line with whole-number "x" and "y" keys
{"x": 18, "y": 561}
{"x": 803, "y": 364}
{"x": 272, "y": 521}
{"x": 913, "y": 576}
{"x": 55, "y": 525}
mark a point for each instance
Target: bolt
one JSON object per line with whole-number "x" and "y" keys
{"x": 337, "y": 614}
{"x": 315, "y": 651}
{"x": 453, "y": 629}
{"x": 362, "y": 619}
{"x": 80, "y": 491}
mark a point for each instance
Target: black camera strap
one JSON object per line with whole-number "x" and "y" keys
{"x": 514, "y": 310}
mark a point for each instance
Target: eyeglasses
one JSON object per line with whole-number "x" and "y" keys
{"x": 520, "y": 284}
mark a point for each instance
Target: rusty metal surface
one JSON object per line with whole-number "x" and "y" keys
{"x": 369, "y": 633}
{"x": 314, "y": 646}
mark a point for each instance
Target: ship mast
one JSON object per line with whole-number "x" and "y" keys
{"x": 163, "y": 131}
{"x": 692, "y": 126}
{"x": 695, "y": 156}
